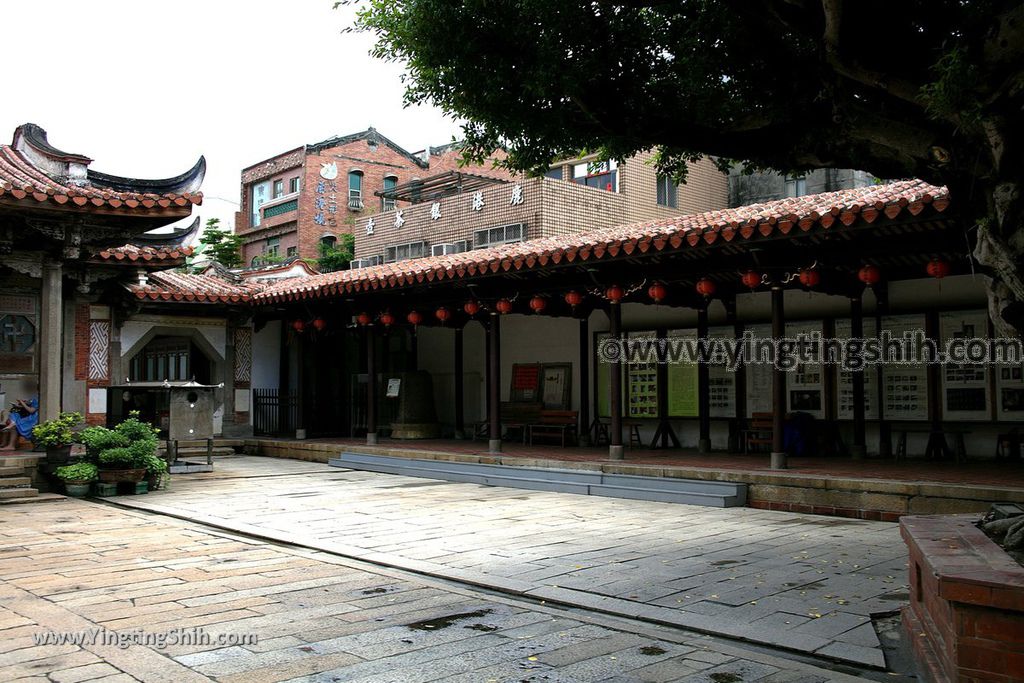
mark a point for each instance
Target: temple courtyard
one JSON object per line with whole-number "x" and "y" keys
{"x": 300, "y": 571}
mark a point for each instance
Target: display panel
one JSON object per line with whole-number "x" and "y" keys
{"x": 759, "y": 376}
{"x": 905, "y": 385}
{"x": 682, "y": 383}
{"x": 805, "y": 391}
{"x": 844, "y": 388}
{"x": 721, "y": 379}
{"x": 965, "y": 386}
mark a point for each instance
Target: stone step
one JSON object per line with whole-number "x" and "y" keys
{"x": 195, "y": 452}
{"x": 38, "y": 498}
{"x": 583, "y": 482}
{"x": 21, "y": 459}
{"x": 22, "y": 492}
{"x": 11, "y": 471}
{"x": 12, "y": 482}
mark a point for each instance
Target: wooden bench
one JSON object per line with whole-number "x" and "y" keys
{"x": 514, "y": 415}
{"x": 561, "y": 423}
{"x": 759, "y": 432}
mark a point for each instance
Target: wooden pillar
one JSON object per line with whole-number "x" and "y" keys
{"x": 494, "y": 377}
{"x": 615, "y": 450}
{"x": 859, "y": 447}
{"x": 703, "y": 384}
{"x": 371, "y": 386}
{"x": 884, "y": 429}
{"x": 460, "y": 426}
{"x": 584, "y": 424}
{"x": 51, "y": 318}
{"x": 778, "y": 456}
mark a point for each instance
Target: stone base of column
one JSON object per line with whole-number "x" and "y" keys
{"x": 494, "y": 445}
{"x": 371, "y": 438}
{"x": 616, "y": 453}
{"x": 858, "y": 452}
{"x": 459, "y": 434}
{"x": 704, "y": 446}
{"x": 779, "y": 461}
{"x": 300, "y": 434}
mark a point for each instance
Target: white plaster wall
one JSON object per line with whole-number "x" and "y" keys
{"x": 215, "y": 331}
{"x": 266, "y": 356}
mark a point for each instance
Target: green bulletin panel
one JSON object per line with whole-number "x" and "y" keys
{"x": 721, "y": 380}
{"x": 682, "y": 383}
{"x": 642, "y": 383}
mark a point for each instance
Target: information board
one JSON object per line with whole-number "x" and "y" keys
{"x": 965, "y": 386}
{"x": 682, "y": 382}
{"x": 759, "y": 376}
{"x": 905, "y": 385}
{"x": 844, "y": 402}
{"x": 642, "y": 383}
{"x": 1010, "y": 392}
{"x": 721, "y": 379}
{"x": 805, "y": 390}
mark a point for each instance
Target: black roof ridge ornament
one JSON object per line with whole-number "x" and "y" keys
{"x": 167, "y": 239}
{"x": 189, "y": 181}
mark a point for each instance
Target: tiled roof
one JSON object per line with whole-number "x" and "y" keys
{"x": 802, "y": 214}
{"x": 131, "y": 253}
{"x": 33, "y": 170}
{"x": 173, "y": 286}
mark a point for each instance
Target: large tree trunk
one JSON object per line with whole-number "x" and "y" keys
{"x": 1000, "y": 249}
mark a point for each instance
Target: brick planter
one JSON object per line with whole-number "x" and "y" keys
{"x": 965, "y": 620}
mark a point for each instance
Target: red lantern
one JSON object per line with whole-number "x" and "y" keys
{"x": 503, "y": 306}
{"x": 938, "y": 268}
{"x": 443, "y": 314}
{"x": 614, "y": 294}
{"x": 414, "y": 318}
{"x": 319, "y": 324}
{"x": 869, "y": 275}
{"x": 751, "y": 279}
{"x": 364, "y": 318}
{"x": 573, "y": 298}
{"x": 298, "y": 326}
{"x": 471, "y": 307}
{"x": 706, "y": 287}
{"x": 386, "y": 319}
{"x": 810, "y": 277}
{"x": 657, "y": 292}
{"x": 538, "y": 303}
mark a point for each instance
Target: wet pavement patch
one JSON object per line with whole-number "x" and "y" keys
{"x": 652, "y": 650}
{"x": 375, "y": 591}
{"x": 725, "y": 677}
{"x": 482, "y": 627}
{"x": 446, "y": 621}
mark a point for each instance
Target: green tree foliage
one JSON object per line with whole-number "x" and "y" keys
{"x": 221, "y": 245}
{"x": 925, "y": 88}
{"x": 336, "y": 257}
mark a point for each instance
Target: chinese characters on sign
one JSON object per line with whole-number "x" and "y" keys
{"x": 478, "y": 201}
{"x": 435, "y": 211}
{"x": 369, "y": 227}
{"x": 399, "y": 218}
{"x": 517, "y": 195}
{"x": 326, "y": 201}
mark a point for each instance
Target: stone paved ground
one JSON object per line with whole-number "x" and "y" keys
{"x": 801, "y": 582}
{"x": 74, "y": 567}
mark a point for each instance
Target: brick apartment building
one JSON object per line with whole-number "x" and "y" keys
{"x": 293, "y": 201}
{"x": 456, "y": 211}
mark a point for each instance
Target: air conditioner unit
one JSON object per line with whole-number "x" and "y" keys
{"x": 355, "y": 204}
{"x": 442, "y": 249}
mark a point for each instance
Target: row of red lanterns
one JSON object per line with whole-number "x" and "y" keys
{"x": 318, "y": 324}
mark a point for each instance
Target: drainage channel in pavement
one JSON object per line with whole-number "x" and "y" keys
{"x": 900, "y": 667}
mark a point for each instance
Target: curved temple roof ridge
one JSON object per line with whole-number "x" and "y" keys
{"x": 66, "y": 167}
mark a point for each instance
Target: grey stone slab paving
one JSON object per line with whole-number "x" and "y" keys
{"x": 701, "y": 568}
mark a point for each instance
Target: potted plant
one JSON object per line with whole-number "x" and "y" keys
{"x": 128, "y": 462}
{"x": 157, "y": 472}
{"x": 77, "y": 478}
{"x": 56, "y": 436}
{"x": 121, "y": 464}
{"x": 98, "y": 439}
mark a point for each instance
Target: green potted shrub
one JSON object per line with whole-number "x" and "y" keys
{"x": 56, "y": 436}
{"x": 77, "y": 478}
{"x": 157, "y": 473}
{"x": 127, "y": 450}
{"x": 98, "y": 439}
{"x": 121, "y": 464}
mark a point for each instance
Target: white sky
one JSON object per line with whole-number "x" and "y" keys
{"x": 144, "y": 87}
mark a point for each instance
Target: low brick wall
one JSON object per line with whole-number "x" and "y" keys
{"x": 965, "y": 619}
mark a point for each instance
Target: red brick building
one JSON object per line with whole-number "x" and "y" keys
{"x": 293, "y": 201}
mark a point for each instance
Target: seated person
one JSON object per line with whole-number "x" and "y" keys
{"x": 22, "y": 419}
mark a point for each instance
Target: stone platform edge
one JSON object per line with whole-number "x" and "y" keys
{"x": 857, "y": 498}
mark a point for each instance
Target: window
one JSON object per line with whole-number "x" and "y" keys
{"x": 667, "y": 192}
{"x": 365, "y": 262}
{"x": 293, "y": 185}
{"x": 555, "y": 173}
{"x": 401, "y": 252}
{"x": 600, "y": 174}
{"x": 329, "y": 240}
{"x": 500, "y": 235}
{"x": 272, "y": 247}
{"x": 388, "y": 203}
{"x": 259, "y": 194}
{"x": 164, "y": 358}
{"x": 292, "y": 251}
{"x": 278, "y": 188}
{"x": 450, "y": 248}
{"x": 355, "y": 190}
{"x": 796, "y": 186}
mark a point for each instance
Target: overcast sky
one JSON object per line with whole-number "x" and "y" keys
{"x": 144, "y": 87}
